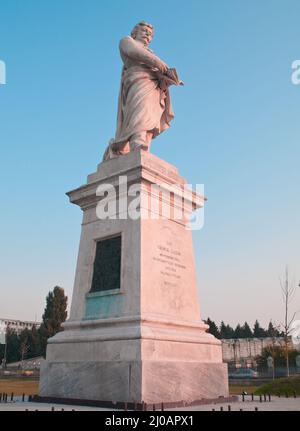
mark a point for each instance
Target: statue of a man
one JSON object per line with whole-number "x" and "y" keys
{"x": 144, "y": 106}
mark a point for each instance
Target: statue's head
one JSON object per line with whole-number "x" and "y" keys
{"x": 143, "y": 32}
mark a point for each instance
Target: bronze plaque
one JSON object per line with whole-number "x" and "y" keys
{"x": 107, "y": 265}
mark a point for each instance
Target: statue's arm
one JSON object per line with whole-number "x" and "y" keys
{"x": 134, "y": 51}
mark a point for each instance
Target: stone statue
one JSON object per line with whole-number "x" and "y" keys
{"x": 144, "y": 106}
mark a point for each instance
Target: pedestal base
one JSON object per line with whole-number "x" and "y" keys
{"x": 140, "y": 339}
{"x": 135, "y": 361}
{"x": 167, "y": 382}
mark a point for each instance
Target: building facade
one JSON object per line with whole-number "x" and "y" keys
{"x": 15, "y": 325}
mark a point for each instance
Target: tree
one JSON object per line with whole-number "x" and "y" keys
{"x": 213, "y": 329}
{"x": 13, "y": 346}
{"x": 54, "y": 315}
{"x": 258, "y": 331}
{"x": 226, "y": 331}
{"x": 246, "y": 331}
{"x": 30, "y": 338}
{"x": 277, "y": 352}
{"x": 273, "y": 331}
{"x": 288, "y": 290}
{"x": 238, "y": 331}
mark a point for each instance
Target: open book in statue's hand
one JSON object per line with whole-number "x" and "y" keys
{"x": 172, "y": 77}
{"x": 169, "y": 78}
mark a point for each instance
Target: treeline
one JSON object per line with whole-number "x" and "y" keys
{"x": 242, "y": 331}
{"x": 32, "y": 343}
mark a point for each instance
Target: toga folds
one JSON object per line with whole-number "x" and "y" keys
{"x": 144, "y": 101}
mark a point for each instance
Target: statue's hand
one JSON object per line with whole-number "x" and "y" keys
{"x": 163, "y": 67}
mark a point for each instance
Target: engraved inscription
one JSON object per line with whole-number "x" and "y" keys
{"x": 107, "y": 265}
{"x": 171, "y": 266}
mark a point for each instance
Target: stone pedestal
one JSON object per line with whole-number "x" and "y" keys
{"x": 142, "y": 340}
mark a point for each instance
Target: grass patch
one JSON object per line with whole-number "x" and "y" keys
{"x": 19, "y": 386}
{"x": 286, "y": 385}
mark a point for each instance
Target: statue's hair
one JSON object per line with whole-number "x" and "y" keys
{"x": 141, "y": 24}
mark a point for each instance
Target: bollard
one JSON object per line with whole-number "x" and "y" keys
{"x": 213, "y": 410}
{"x": 256, "y": 409}
{"x": 23, "y": 397}
{"x": 6, "y": 398}
{"x": 0, "y": 398}
{"x": 52, "y": 409}
{"x": 252, "y": 397}
{"x": 243, "y": 397}
{"x": 12, "y": 396}
{"x": 241, "y": 410}
{"x": 229, "y": 408}
{"x": 221, "y": 408}
{"x": 62, "y": 410}
{"x": 162, "y": 407}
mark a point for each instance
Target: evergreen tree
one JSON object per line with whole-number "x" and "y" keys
{"x": 213, "y": 329}
{"x": 222, "y": 330}
{"x": 238, "y": 331}
{"x": 35, "y": 346}
{"x": 54, "y": 315}
{"x": 258, "y": 331}
{"x": 272, "y": 331}
{"x": 31, "y": 339}
{"x": 13, "y": 346}
{"x": 229, "y": 331}
{"x": 246, "y": 331}
{"x": 226, "y": 331}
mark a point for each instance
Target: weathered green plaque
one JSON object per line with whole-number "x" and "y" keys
{"x": 107, "y": 265}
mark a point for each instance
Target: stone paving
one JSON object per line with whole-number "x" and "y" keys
{"x": 276, "y": 404}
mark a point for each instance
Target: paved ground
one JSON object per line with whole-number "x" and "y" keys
{"x": 276, "y": 404}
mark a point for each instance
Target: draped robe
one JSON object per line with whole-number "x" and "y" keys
{"x": 144, "y": 103}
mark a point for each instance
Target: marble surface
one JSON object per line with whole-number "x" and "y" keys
{"x": 146, "y": 342}
{"x": 148, "y": 381}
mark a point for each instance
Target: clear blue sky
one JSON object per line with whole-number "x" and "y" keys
{"x": 236, "y": 130}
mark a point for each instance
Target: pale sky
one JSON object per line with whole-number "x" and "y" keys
{"x": 236, "y": 130}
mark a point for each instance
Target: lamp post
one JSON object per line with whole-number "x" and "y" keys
{"x": 5, "y": 348}
{"x": 270, "y": 362}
